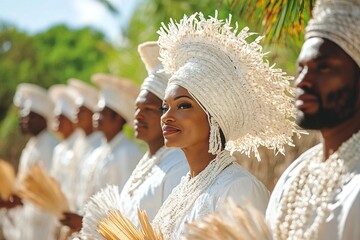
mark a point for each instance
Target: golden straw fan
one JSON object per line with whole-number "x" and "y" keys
{"x": 116, "y": 226}
{"x": 232, "y": 223}
{"x": 43, "y": 191}
{"x": 7, "y": 179}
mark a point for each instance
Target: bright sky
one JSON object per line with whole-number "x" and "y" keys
{"x": 34, "y": 16}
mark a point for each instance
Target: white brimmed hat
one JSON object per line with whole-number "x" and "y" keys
{"x": 31, "y": 97}
{"x": 242, "y": 94}
{"x": 339, "y": 22}
{"x": 119, "y": 94}
{"x": 157, "y": 79}
{"x": 87, "y": 94}
{"x": 64, "y": 98}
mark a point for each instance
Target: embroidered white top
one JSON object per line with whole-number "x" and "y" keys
{"x": 156, "y": 184}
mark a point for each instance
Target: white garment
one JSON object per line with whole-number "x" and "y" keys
{"x": 87, "y": 167}
{"x": 344, "y": 221}
{"x": 235, "y": 182}
{"x": 29, "y": 222}
{"x": 117, "y": 161}
{"x": 157, "y": 186}
{"x": 65, "y": 165}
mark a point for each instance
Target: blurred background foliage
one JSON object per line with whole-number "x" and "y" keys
{"x": 60, "y": 53}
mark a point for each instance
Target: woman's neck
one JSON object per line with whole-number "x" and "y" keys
{"x": 198, "y": 158}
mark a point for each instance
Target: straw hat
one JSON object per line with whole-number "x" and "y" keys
{"x": 249, "y": 100}
{"x": 339, "y": 22}
{"x": 31, "y": 97}
{"x": 157, "y": 79}
{"x": 87, "y": 94}
{"x": 119, "y": 94}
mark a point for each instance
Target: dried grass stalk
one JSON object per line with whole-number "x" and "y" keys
{"x": 232, "y": 223}
{"x": 44, "y": 191}
{"x": 7, "y": 179}
{"x": 116, "y": 226}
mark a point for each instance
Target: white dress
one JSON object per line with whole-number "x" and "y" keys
{"x": 156, "y": 186}
{"x": 235, "y": 182}
{"x": 29, "y": 222}
{"x": 118, "y": 159}
{"x": 344, "y": 221}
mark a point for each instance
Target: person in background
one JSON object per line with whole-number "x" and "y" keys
{"x": 64, "y": 162}
{"x": 161, "y": 168}
{"x": 86, "y": 102}
{"x": 318, "y": 196}
{"x": 35, "y": 119}
{"x": 119, "y": 155}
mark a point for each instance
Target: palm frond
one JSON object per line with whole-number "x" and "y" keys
{"x": 7, "y": 179}
{"x": 44, "y": 191}
{"x": 116, "y": 226}
{"x": 280, "y": 21}
{"x": 232, "y": 223}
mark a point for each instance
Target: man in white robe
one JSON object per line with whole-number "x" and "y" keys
{"x": 35, "y": 111}
{"x": 119, "y": 155}
{"x": 318, "y": 196}
{"x": 161, "y": 168}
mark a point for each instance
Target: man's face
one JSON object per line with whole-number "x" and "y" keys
{"x": 327, "y": 85}
{"x": 32, "y": 123}
{"x": 147, "y": 117}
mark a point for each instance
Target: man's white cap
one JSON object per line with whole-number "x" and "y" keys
{"x": 157, "y": 79}
{"x": 119, "y": 94}
{"x": 30, "y": 97}
{"x": 64, "y": 98}
{"x": 88, "y": 95}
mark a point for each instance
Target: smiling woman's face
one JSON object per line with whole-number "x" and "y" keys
{"x": 184, "y": 122}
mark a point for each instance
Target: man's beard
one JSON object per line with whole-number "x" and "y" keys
{"x": 342, "y": 107}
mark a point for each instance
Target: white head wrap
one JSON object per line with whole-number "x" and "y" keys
{"x": 30, "y": 97}
{"x": 249, "y": 100}
{"x": 339, "y": 22}
{"x": 64, "y": 98}
{"x": 119, "y": 94}
{"x": 157, "y": 80}
{"x": 87, "y": 94}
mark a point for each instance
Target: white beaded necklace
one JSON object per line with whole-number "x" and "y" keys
{"x": 184, "y": 195}
{"x": 143, "y": 168}
{"x": 312, "y": 191}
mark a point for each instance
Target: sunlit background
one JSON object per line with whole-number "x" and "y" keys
{"x": 47, "y": 42}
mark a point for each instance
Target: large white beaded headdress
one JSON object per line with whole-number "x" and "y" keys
{"x": 249, "y": 100}
{"x": 339, "y": 22}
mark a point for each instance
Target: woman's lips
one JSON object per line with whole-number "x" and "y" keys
{"x": 168, "y": 130}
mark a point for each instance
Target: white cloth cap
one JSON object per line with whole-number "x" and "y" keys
{"x": 339, "y": 22}
{"x": 31, "y": 97}
{"x": 87, "y": 94}
{"x": 246, "y": 97}
{"x": 157, "y": 79}
{"x": 64, "y": 98}
{"x": 119, "y": 94}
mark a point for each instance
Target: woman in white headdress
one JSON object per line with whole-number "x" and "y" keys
{"x": 222, "y": 97}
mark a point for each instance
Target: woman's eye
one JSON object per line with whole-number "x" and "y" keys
{"x": 184, "y": 106}
{"x": 163, "y": 109}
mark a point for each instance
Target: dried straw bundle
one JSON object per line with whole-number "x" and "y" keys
{"x": 232, "y": 223}
{"x": 116, "y": 226}
{"x": 43, "y": 191}
{"x": 7, "y": 179}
